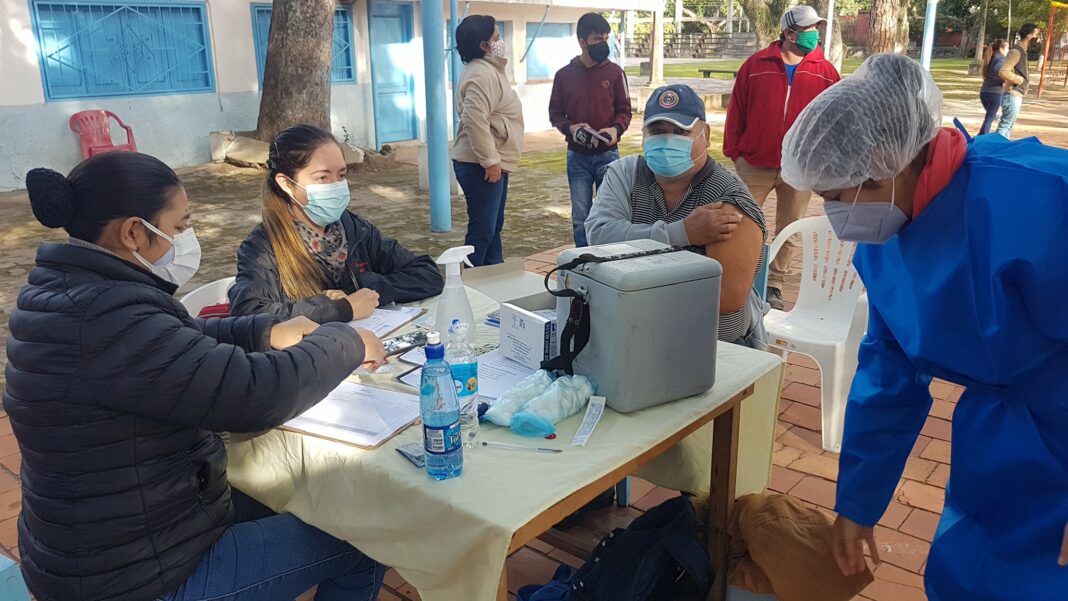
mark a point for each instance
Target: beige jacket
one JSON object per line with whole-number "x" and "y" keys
{"x": 1008, "y": 74}
{"x": 491, "y": 116}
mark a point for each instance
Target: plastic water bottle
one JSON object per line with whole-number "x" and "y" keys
{"x": 464, "y": 366}
{"x": 444, "y": 453}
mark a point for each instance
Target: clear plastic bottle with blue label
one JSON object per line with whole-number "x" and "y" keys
{"x": 440, "y": 410}
{"x": 464, "y": 366}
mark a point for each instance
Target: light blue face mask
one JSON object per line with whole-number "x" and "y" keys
{"x": 326, "y": 202}
{"x": 669, "y": 155}
{"x": 867, "y": 222}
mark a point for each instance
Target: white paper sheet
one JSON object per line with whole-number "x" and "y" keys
{"x": 359, "y": 415}
{"x": 416, "y": 356}
{"x": 384, "y": 321}
{"x": 496, "y": 373}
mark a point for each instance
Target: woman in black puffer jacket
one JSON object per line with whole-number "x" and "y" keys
{"x": 114, "y": 392}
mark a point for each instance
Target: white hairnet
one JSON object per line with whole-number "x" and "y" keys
{"x": 870, "y": 125}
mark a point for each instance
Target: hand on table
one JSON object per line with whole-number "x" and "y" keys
{"x": 374, "y": 354}
{"x": 848, "y": 541}
{"x": 334, "y": 294}
{"x": 712, "y": 223}
{"x": 290, "y": 332}
{"x": 493, "y": 174}
{"x": 364, "y": 302}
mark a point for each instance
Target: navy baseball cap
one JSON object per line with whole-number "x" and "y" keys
{"x": 677, "y": 104}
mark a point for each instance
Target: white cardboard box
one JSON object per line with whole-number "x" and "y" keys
{"x": 527, "y": 337}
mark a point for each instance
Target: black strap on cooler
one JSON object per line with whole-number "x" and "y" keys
{"x": 576, "y": 334}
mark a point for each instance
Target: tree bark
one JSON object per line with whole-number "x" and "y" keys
{"x": 656, "y": 50}
{"x": 883, "y": 35}
{"x": 981, "y": 41}
{"x": 296, "y": 78}
{"x": 764, "y": 18}
{"x": 903, "y": 27}
{"x": 837, "y": 46}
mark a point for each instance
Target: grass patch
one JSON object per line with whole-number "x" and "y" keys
{"x": 951, "y": 74}
{"x": 555, "y": 161}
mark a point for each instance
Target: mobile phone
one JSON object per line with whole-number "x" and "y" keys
{"x": 404, "y": 343}
{"x": 413, "y": 451}
{"x": 597, "y": 135}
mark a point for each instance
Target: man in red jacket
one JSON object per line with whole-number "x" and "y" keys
{"x": 590, "y": 105}
{"x": 772, "y": 88}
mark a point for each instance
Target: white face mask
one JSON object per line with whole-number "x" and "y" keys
{"x": 179, "y": 264}
{"x": 499, "y": 49}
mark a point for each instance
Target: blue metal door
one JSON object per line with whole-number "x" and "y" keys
{"x": 393, "y": 58}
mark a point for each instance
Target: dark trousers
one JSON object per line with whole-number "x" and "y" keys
{"x": 991, "y": 102}
{"x": 485, "y": 212}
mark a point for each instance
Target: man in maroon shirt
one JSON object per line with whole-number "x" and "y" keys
{"x": 772, "y": 88}
{"x": 590, "y": 105}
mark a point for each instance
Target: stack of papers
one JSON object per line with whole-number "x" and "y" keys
{"x": 496, "y": 374}
{"x": 357, "y": 414}
{"x": 386, "y": 321}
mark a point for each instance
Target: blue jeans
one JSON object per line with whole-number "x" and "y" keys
{"x": 1010, "y": 109}
{"x": 485, "y": 212}
{"x": 991, "y": 102}
{"x": 584, "y": 173}
{"x": 270, "y": 557}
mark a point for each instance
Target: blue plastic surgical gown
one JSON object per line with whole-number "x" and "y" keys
{"x": 974, "y": 291}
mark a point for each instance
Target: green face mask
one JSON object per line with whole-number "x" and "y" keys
{"x": 808, "y": 40}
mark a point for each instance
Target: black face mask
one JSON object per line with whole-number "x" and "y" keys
{"x": 598, "y": 52}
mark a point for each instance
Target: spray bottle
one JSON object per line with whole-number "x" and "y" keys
{"x": 454, "y": 306}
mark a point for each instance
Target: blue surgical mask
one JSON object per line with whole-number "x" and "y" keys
{"x": 867, "y": 222}
{"x": 326, "y": 202}
{"x": 669, "y": 155}
{"x": 180, "y": 263}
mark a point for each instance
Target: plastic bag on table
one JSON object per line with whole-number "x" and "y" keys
{"x": 564, "y": 398}
{"x": 513, "y": 399}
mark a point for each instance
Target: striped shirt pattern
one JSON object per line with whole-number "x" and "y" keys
{"x": 712, "y": 184}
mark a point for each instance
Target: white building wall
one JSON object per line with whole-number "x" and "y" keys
{"x": 175, "y": 128}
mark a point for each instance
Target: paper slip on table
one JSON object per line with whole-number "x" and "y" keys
{"x": 450, "y": 539}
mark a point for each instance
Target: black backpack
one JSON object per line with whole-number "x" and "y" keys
{"x": 657, "y": 558}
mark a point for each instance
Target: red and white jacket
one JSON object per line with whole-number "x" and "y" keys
{"x": 764, "y": 105}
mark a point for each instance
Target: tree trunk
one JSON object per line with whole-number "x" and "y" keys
{"x": 764, "y": 18}
{"x": 903, "y": 27}
{"x": 981, "y": 41}
{"x": 837, "y": 46}
{"x": 656, "y": 50}
{"x": 296, "y": 78}
{"x": 883, "y": 35}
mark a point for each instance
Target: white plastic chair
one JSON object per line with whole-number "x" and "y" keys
{"x": 207, "y": 295}
{"x": 829, "y": 319}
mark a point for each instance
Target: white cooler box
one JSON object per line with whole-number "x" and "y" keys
{"x": 654, "y": 321}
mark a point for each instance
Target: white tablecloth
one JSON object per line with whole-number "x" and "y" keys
{"x": 449, "y": 539}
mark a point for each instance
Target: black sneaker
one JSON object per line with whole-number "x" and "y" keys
{"x": 774, "y": 298}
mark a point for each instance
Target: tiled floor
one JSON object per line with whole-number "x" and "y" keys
{"x": 800, "y": 468}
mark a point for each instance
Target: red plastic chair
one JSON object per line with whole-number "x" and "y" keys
{"x": 94, "y": 132}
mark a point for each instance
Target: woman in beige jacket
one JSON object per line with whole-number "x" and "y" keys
{"x": 490, "y": 139}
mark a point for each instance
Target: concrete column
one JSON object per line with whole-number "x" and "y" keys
{"x": 437, "y": 131}
{"x": 730, "y": 16}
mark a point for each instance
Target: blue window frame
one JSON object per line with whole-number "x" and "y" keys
{"x": 343, "y": 65}
{"x": 553, "y": 48}
{"x": 90, "y": 49}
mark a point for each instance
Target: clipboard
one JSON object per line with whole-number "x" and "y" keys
{"x": 384, "y": 322}
{"x": 358, "y": 415}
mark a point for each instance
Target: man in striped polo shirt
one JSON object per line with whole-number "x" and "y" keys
{"x": 675, "y": 194}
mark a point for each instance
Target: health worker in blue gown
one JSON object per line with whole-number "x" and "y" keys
{"x": 964, "y": 253}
